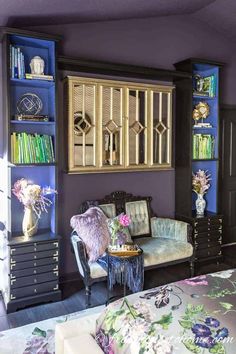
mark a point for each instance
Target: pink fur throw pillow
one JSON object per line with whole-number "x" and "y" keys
{"x": 93, "y": 230}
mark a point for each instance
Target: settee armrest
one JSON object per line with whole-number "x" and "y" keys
{"x": 170, "y": 228}
{"x": 80, "y": 255}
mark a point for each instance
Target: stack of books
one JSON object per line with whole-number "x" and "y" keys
{"x": 39, "y": 77}
{"x": 31, "y": 148}
{"x": 203, "y": 146}
{"x": 17, "y": 63}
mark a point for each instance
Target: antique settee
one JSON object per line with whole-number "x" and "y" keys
{"x": 164, "y": 241}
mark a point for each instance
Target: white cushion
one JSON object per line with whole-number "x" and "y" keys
{"x": 76, "y": 327}
{"x": 96, "y": 271}
{"x": 158, "y": 250}
{"x": 82, "y": 344}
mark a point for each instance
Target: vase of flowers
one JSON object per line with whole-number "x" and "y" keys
{"x": 200, "y": 185}
{"x": 34, "y": 199}
{"x": 119, "y": 229}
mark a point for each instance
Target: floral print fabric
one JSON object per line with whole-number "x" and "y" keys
{"x": 196, "y": 315}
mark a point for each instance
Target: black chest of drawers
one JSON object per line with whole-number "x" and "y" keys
{"x": 33, "y": 271}
{"x": 206, "y": 236}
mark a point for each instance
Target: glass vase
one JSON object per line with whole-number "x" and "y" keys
{"x": 200, "y": 205}
{"x": 30, "y": 222}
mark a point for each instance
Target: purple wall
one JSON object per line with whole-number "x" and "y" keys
{"x": 157, "y": 42}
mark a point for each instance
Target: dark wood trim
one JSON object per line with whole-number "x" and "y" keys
{"x": 22, "y": 32}
{"x": 116, "y": 69}
{"x": 198, "y": 61}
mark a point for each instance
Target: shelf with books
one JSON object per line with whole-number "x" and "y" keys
{"x": 30, "y": 153}
{"x": 199, "y": 117}
{"x": 34, "y": 101}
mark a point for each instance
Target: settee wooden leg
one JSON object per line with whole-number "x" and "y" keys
{"x": 88, "y": 295}
{"x": 192, "y": 271}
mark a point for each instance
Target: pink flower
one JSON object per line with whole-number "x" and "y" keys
{"x": 201, "y": 280}
{"x": 124, "y": 220}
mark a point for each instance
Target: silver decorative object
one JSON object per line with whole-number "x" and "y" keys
{"x": 37, "y": 65}
{"x": 29, "y": 103}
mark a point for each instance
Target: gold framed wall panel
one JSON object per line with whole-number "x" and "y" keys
{"x": 112, "y": 115}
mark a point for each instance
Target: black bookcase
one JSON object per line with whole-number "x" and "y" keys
{"x": 30, "y": 270}
{"x": 207, "y": 229}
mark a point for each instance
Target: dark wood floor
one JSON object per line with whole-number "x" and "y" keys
{"x": 74, "y": 299}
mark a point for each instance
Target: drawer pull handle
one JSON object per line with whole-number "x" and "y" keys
{"x": 35, "y": 290}
{"x": 13, "y": 281}
{"x": 55, "y": 259}
{"x": 55, "y": 254}
{"x": 55, "y": 244}
{"x": 12, "y": 262}
{"x": 35, "y": 244}
{"x": 56, "y": 268}
{"x": 13, "y": 276}
{"x": 220, "y": 220}
{"x": 35, "y": 264}
{"x": 35, "y": 257}
{"x": 12, "y": 297}
{"x": 12, "y": 266}
{"x": 56, "y": 273}
{"x": 56, "y": 287}
{"x": 35, "y": 280}
{"x": 35, "y": 271}
{"x": 12, "y": 250}
{"x": 35, "y": 249}
{"x": 220, "y": 253}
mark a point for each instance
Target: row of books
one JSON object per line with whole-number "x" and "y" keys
{"x": 17, "y": 67}
{"x": 31, "y": 148}
{"x": 17, "y": 63}
{"x": 203, "y": 146}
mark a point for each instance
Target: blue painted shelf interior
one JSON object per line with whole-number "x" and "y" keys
{"x": 41, "y": 174}
{"x": 210, "y": 165}
{"x": 32, "y": 47}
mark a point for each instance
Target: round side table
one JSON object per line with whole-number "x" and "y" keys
{"x": 118, "y": 265}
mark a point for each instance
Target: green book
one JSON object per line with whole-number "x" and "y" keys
{"x": 36, "y": 149}
{"x": 52, "y": 149}
{"x": 47, "y": 148}
{"x": 42, "y": 148}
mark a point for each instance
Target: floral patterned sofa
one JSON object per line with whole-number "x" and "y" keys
{"x": 164, "y": 241}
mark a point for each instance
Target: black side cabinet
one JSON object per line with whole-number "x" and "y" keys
{"x": 207, "y": 236}
{"x": 33, "y": 271}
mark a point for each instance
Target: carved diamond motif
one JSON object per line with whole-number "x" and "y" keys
{"x": 81, "y": 125}
{"x": 137, "y": 127}
{"x": 111, "y": 126}
{"x": 160, "y": 128}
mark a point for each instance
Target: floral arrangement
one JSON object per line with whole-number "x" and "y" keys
{"x": 200, "y": 182}
{"x": 33, "y": 196}
{"x": 118, "y": 227}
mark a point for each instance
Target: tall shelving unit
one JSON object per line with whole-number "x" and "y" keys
{"x": 31, "y": 264}
{"x": 190, "y": 156}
